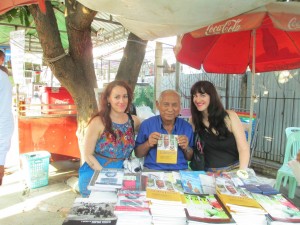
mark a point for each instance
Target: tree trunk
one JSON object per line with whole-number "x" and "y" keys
{"x": 133, "y": 57}
{"x": 74, "y": 69}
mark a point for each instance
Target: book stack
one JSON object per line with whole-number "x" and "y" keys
{"x": 206, "y": 209}
{"x": 107, "y": 179}
{"x": 167, "y": 212}
{"x": 86, "y": 211}
{"x": 280, "y": 210}
{"x": 164, "y": 192}
{"x": 132, "y": 208}
{"x": 238, "y": 200}
{"x": 104, "y": 196}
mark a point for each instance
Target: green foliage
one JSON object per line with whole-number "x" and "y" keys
{"x": 143, "y": 95}
{"x": 19, "y": 12}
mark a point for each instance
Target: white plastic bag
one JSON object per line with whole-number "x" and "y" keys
{"x": 133, "y": 165}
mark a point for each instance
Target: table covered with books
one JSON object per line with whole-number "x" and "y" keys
{"x": 181, "y": 198}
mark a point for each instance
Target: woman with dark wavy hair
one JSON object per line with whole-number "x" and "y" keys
{"x": 109, "y": 137}
{"x": 222, "y": 135}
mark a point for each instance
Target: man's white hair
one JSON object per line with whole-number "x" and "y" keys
{"x": 168, "y": 91}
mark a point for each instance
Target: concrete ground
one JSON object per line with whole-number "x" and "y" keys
{"x": 48, "y": 205}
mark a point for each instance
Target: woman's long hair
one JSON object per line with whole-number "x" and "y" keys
{"x": 216, "y": 111}
{"x": 105, "y": 107}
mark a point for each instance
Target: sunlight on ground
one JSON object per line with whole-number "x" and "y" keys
{"x": 28, "y": 204}
{"x": 14, "y": 186}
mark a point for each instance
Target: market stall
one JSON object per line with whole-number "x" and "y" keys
{"x": 48, "y": 121}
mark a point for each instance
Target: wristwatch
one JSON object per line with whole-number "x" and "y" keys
{"x": 188, "y": 149}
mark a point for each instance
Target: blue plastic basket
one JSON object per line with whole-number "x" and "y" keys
{"x": 35, "y": 166}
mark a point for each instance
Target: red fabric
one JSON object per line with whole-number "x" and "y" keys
{"x": 7, "y": 5}
{"x": 231, "y": 53}
{"x": 42, "y": 6}
{"x": 56, "y": 135}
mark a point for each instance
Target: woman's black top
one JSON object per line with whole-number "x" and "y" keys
{"x": 218, "y": 151}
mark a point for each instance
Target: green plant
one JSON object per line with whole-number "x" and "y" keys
{"x": 144, "y": 95}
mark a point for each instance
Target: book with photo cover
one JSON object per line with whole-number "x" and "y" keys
{"x": 197, "y": 182}
{"x": 134, "y": 181}
{"x": 279, "y": 208}
{"x": 164, "y": 186}
{"x": 107, "y": 179}
{"x": 167, "y": 149}
{"x": 85, "y": 211}
{"x": 132, "y": 201}
{"x": 206, "y": 208}
{"x": 231, "y": 193}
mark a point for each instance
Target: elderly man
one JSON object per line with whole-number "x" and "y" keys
{"x": 167, "y": 122}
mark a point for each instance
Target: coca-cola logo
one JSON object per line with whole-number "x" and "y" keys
{"x": 61, "y": 101}
{"x": 227, "y": 27}
{"x": 294, "y": 24}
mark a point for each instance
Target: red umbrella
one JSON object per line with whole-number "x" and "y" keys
{"x": 227, "y": 47}
{"x": 7, "y": 5}
{"x": 266, "y": 39}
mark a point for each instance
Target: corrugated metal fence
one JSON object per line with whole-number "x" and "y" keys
{"x": 277, "y": 107}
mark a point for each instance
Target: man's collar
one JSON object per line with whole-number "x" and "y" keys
{"x": 161, "y": 123}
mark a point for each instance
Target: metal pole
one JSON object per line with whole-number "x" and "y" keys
{"x": 158, "y": 71}
{"x": 252, "y": 86}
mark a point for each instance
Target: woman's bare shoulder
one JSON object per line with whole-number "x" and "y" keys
{"x": 232, "y": 114}
{"x": 96, "y": 123}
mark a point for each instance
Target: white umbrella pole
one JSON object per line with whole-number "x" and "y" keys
{"x": 252, "y": 87}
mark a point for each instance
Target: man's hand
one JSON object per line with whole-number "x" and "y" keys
{"x": 153, "y": 139}
{"x": 1, "y": 173}
{"x": 183, "y": 142}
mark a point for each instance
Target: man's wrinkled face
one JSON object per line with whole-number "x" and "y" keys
{"x": 169, "y": 106}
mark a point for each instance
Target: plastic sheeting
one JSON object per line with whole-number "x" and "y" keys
{"x": 163, "y": 18}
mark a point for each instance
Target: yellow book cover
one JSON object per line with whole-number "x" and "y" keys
{"x": 167, "y": 149}
{"x": 164, "y": 195}
{"x": 230, "y": 194}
